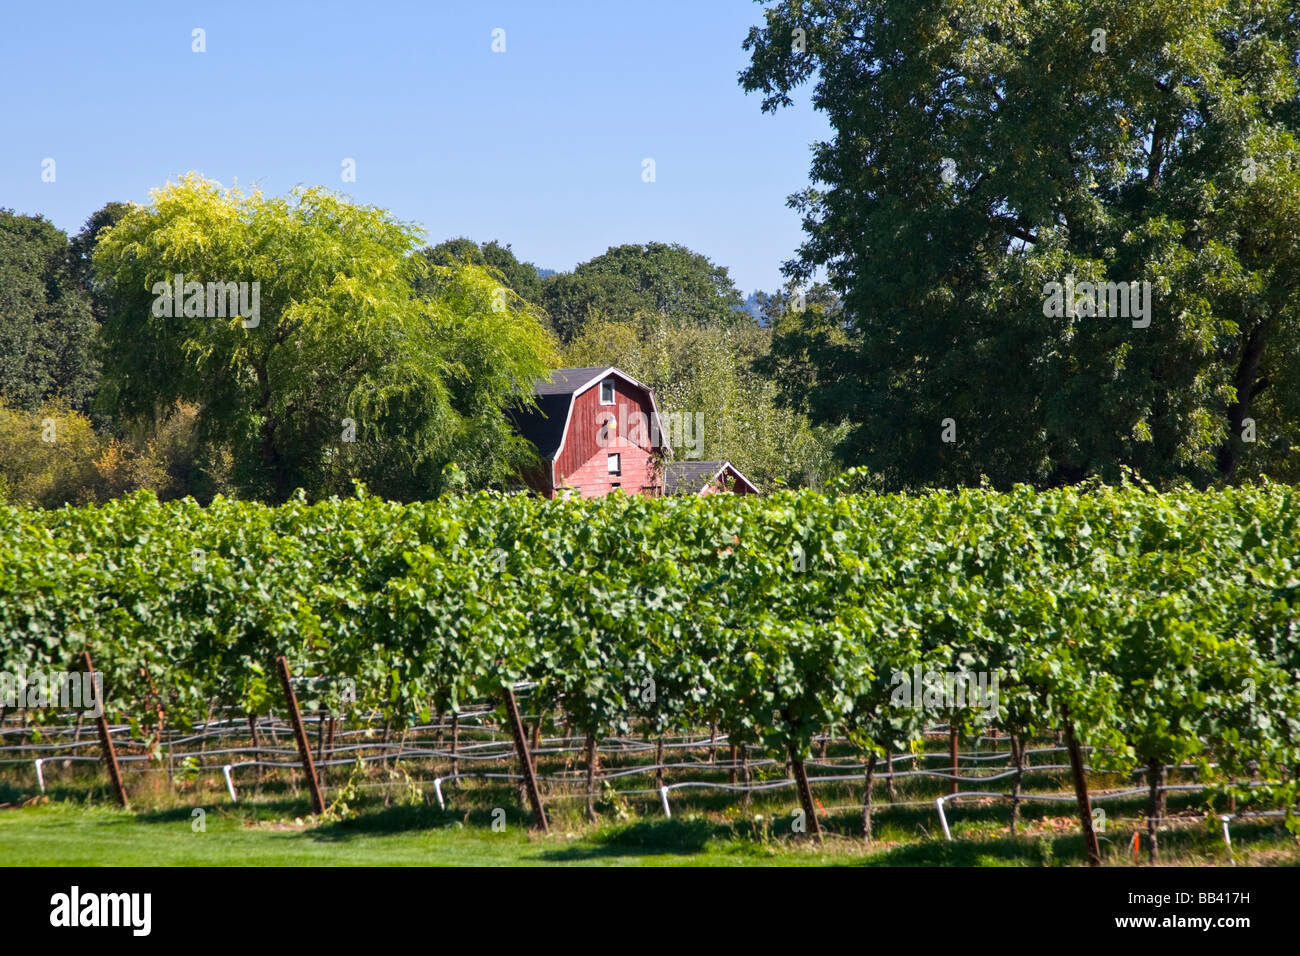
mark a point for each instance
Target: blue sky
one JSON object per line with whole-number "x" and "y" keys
{"x": 540, "y": 146}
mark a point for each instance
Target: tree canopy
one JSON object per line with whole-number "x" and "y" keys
{"x": 626, "y": 280}
{"x": 82, "y": 245}
{"x": 984, "y": 150}
{"x": 324, "y": 366}
{"x": 47, "y": 335}
{"x": 522, "y": 278}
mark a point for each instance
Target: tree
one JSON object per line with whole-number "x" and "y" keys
{"x": 631, "y": 279}
{"x": 82, "y": 246}
{"x": 522, "y": 278}
{"x": 802, "y": 324}
{"x": 47, "y": 336}
{"x": 299, "y": 335}
{"x": 53, "y": 456}
{"x": 47, "y": 456}
{"x": 980, "y": 153}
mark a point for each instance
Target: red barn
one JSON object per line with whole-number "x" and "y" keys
{"x": 596, "y": 429}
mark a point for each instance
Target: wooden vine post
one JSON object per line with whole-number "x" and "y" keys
{"x": 525, "y": 759}
{"x": 1018, "y": 757}
{"x": 257, "y": 747}
{"x": 805, "y": 794}
{"x": 593, "y": 757}
{"x": 1155, "y": 783}
{"x": 866, "y": 797}
{"x": 105, "y": 738}
{"x": 1081, "y": 792}
{"x": 300, "y": 734}
{"x": 455, "y": 739}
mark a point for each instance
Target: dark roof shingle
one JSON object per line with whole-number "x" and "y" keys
{"x": 689, "y": 477}
{"x": 544, "y": 425}
{"x": 566, "y": 381}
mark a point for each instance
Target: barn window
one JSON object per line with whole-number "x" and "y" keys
{"x": 615, "y": 466}
{"x": 607, "y": 392}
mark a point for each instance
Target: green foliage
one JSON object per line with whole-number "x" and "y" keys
{"x": 1161, "y": 627}
{"x": 47, "y": 334}
{"x": 53, "y": 456}
{"x": 345, "y": 374}
{"x": 81, "y": 247}
{"x": 47, "y": 456}
{"x": 520, "y": 277}
{"x": 628, "y": 280}
{"x": 983, "y": 149}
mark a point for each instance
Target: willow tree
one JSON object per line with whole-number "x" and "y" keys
{"x": 985, "y": 149}
{"x": 292, "y": 322}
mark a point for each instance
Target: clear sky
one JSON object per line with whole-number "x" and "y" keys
{"x": 540, "y": 146}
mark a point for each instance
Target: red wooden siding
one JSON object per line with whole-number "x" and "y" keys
{"x": 636, "y": 464}
{"x": 583, "y": 463}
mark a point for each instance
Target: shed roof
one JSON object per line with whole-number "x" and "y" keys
{"x": 692, "y": 477}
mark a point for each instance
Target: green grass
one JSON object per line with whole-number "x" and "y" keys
{"x": 394, "y": 821}
{"x": 66, "y": 833}
{"x": 63, "y": 834}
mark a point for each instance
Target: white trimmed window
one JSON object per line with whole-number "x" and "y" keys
{"x": 607, "y": 392}
{"x": 615, "y": 466}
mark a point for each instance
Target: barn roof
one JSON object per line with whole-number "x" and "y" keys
{"x": 567, "y": 381}
{"x": 544, "y": 425}
{"x": 692, "y": 477}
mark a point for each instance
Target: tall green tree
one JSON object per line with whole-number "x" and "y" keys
{"x": 982, "y": 150}
{"x": 47, "y": 335}
{"x": 800, "y": 323}
{"x": 522, "y": 278}
{"x": 654, "y": 278}
{"x": 329, "y": 367}
{"x": 82, "y": 246}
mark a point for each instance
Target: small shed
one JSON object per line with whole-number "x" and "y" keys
{"x": 705, "y": 478}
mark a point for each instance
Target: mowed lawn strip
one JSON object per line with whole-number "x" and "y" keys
{"x": 69, "y": 835}
{"x": 72, "y": 836}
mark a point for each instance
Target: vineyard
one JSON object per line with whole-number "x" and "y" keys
{"x": 801, "y": 641}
